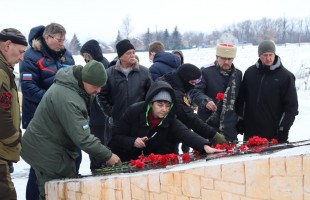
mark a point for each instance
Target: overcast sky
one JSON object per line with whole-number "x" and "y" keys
{"x": 101, "y": 19}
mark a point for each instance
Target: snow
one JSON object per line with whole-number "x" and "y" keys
{"x": 293, "y": 58}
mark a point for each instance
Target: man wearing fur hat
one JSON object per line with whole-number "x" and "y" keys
{"x": 127, "y": 84}
{"x": 12, "y": 48}
{"x": 46, "y": 55}
{"x": 220, "y": 77}
{"x": 182, "y": 81}
{"x": 268, "y": 98}
{"x": 60, "y": 125}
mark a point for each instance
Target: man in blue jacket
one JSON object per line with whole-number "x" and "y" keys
{"x": 46, "y": 55}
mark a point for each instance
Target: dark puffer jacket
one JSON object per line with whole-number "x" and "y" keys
{"x": 38, "y": 70}
{"x": 134, "y": 124}
{"x": 270, "y": 99}
{"x": 164, "y": 62}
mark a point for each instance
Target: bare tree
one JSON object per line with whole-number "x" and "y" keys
{"x": 127, "y": 27}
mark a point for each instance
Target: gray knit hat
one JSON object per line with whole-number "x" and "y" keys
{"x": 266, "y": 46}
{"x": 14, "y": 35}
{"x": 94, "y": 73}
{"x": 162, "y": 95}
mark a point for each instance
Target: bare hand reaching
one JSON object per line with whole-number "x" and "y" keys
{"x": 209, "y": 149}
{"x": 114, "y": 160}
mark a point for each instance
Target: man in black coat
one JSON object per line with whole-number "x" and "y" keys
{"x": 221, "y": 77}
{"x": 150, "y": 126}
{"x": 268, "y": 98}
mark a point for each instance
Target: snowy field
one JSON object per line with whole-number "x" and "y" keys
{"x": 293, "y": 58}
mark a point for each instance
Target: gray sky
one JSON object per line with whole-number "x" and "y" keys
{"x": 101, "y": 19}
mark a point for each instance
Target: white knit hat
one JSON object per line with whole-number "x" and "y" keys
{"x": 226, "y": 50}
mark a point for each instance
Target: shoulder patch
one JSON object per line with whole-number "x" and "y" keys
{"x": 27, "y": 77}
{"x": 85, "y": 126}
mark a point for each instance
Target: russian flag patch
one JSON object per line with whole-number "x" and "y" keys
{"x": 27, "y": 77}
{"x": 85, "y": 127}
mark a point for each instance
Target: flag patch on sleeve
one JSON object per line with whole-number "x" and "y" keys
{"x": 85, "y": 127}
{"x": 27, "y": 77}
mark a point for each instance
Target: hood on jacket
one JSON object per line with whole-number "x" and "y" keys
{"x": 66, "y": 78}
{"x": 168, "y": 59}
{"x": 93, "y": 48}
{"x": 37, "y": 42}
{"x": 158, "y": 86}
{"x": 276, "y": 64}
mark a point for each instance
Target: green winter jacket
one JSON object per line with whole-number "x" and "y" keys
{"x": 59, "y": 125}
{"x": 10, "y": 132}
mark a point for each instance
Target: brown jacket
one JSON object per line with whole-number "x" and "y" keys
{"x": 10, "y": 133}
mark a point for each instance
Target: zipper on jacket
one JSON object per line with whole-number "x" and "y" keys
{"x": 260, "y": 89}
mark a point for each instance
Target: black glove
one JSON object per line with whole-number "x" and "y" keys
{"x": 218, "y": 139}
{"x": 283, "y": 135}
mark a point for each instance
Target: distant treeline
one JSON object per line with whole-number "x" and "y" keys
{"x": 282, "y": 30}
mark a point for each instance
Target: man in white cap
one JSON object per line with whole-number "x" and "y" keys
{"x": 268, "y": 97}
{"x": 219, "y": 77}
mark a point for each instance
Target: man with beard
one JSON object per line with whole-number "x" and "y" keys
{"x": 220, "y": 77}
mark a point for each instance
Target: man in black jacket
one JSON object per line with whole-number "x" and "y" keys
{"x": 268, "y": 97}
{"x": 128, "y": 83}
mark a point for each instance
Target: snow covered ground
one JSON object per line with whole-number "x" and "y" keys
{"x": 294, "y": 57}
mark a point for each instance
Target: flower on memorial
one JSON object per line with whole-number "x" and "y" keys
{"x": 274, "y": 141}
{"x": 186, "y": 157}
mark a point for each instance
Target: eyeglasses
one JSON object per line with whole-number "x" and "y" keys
{"x": 226, "y": 59}
{"x": 57, "y": 40}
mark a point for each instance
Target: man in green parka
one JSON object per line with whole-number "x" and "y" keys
{"x": 60, "y": 124}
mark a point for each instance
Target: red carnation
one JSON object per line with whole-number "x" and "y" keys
{"x": 220, "y": 96}
{"x": 186, "y": 157}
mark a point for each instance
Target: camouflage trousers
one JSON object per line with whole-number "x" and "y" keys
{"x": 7, "y": 190}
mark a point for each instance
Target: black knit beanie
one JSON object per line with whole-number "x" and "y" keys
{"x": 123, "y": 46}
{"x": 92, "y": 47}
{"x": 94, "y": 73}
{"x": 266, "y": 46}
{"x": 14, "y": 35}
{"x": 189, "y": 72}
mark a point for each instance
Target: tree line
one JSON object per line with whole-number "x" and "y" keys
{"x": 282, "y": 30}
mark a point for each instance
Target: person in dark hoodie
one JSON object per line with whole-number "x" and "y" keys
{"x": 268, "y": 99}
{"x": 182, "y": 81}
{"x": 163, "y": 62}
{"x": 150, "y": 126}
{"x": 46, "y": 55}
{"x": 60, "y": 125}
{"x": 91, "y": 50}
